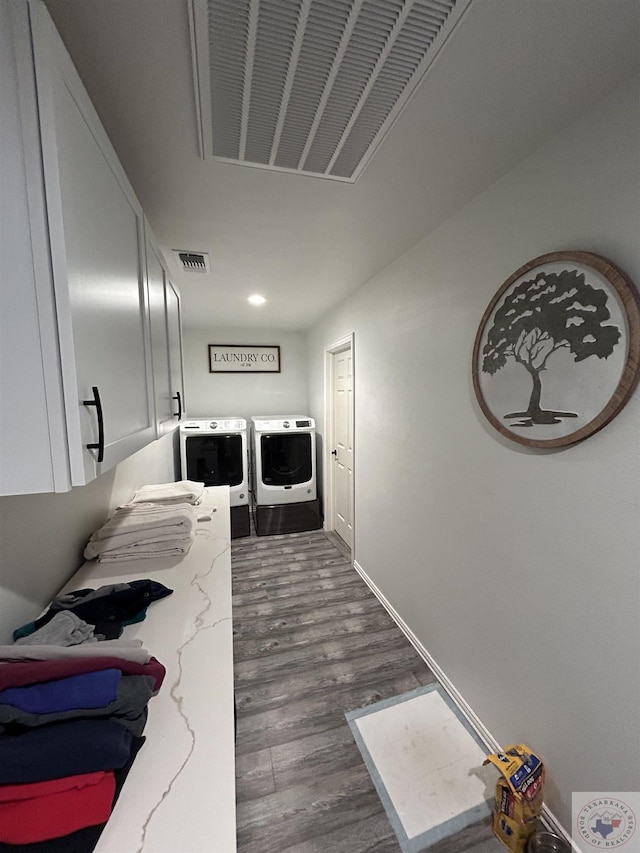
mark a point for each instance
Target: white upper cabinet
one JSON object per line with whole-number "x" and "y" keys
{"x": 79, "y": 396}
{"x": 27, "y": 463}
{"x": 96, "y": 233}
{"x": 174, "y": 331}
{"x": 166, "y": 342}
{"x": 159, "y": 339}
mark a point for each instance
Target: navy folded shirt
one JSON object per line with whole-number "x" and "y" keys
{"x": 83, "y": 840}
{"x": 63, "y": 749}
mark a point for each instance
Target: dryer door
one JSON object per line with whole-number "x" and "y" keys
{"x": 286, "y": 459}
{"x": 215, "y": 460}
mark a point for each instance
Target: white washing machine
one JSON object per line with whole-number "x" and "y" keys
{"x": 214, "y": 451}
{"x": 283, "y": 452}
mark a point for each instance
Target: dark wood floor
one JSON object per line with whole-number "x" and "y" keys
{"x": 311, "y": 642}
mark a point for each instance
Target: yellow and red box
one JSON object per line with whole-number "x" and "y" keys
{"x": 519, "y": 795}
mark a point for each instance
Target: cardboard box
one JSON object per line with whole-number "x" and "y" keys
{"x": 519, "y": 795}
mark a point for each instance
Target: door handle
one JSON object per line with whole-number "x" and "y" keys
{"x": 98, "y": 404}
{"x": 178, "y": 414}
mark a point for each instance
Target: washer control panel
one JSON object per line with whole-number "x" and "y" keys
{"x": 215, "y": 425}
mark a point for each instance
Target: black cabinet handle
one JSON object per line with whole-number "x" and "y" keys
{"x": 178, "y": 414}
{"x": 97, "y": 403}
{"x": 334, "y": 452}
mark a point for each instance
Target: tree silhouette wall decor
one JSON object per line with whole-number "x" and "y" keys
{"x": 561, "y": 302}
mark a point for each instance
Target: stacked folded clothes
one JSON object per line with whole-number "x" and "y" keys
{"x": 69, "y": 732}
{"x": 144, "y": 530}
{"x": 74, "y": 696}
{"x": 184, "y": 491}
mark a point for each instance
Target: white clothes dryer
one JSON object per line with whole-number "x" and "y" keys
{"x": 283, "y": 451}
{"x": 214, "y": 451}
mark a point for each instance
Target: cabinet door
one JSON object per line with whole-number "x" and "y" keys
{"x": 159, "y": 338}
{"x": 33, "y": 454}
{"x": 96, "y": 235}
{"x": 174, "y": 330}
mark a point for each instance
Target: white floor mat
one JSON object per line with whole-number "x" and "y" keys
{"x": 426, "y": 764}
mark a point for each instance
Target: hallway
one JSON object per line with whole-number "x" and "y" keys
{"x": 312, "y": 642}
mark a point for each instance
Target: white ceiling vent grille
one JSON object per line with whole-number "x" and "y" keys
{"x": 192, "y": 261}
{"x": 310, "y": 86}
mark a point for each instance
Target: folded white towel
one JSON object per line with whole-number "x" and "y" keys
{"x": 158, "y": 535}
{"x": 149, "y": 550}
{"x": 138, "y": 518}
{"x": 142, "y": 524}
{"x": 184, "y": 491}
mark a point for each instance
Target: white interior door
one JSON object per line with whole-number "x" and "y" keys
{"x": 342, "y": 450}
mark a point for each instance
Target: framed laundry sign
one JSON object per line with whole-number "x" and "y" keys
{"x": 243, "y": 358}
{"x": 557, "y": 354}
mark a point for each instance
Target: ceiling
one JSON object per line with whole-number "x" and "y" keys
{"x": 307, "y": 86}
{"x": 512, "y": 75}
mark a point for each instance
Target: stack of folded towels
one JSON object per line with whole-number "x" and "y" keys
{"x": 159, "y": 521}
{"x": 144, "y": 531}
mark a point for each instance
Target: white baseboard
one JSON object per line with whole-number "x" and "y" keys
{"x": 492, "y": 745}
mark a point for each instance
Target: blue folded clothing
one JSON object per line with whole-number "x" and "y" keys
{"x": 63, "y": 749}
{"x": 89, "y": 690}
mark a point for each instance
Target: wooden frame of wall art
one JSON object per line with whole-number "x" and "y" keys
{"x": 557, "y": 353}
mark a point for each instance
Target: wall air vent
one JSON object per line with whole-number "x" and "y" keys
{"x": 310, "y": 86}
{"x": 192, "y": 261}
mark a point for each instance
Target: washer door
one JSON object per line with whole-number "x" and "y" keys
{"x": 286, "y": 459}
{"x": 215, "y": 460}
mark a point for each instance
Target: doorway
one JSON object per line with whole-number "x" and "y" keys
{"x": 339, "y": 450}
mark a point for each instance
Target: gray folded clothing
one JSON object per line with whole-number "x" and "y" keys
{"x": 131, "y": 650}
{"x": 128, "y": 708}
{"x": 64, "y": 629}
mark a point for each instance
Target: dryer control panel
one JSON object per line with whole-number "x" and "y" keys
{"x": 291, "y": 423}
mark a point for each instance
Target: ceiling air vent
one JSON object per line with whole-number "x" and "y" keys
{"x": 192, "y": 261}
{"x": 310, "y": 86}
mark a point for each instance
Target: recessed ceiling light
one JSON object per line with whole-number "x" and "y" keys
{"x": 256, "y": 299}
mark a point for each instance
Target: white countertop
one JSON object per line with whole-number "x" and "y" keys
{"x": 180, "y": 794}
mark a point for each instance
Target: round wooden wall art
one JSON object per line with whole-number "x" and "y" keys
{"x": 557, "y": 353}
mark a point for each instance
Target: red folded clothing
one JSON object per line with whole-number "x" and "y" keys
{"x": 20, "y": 674}
{"x": 42, "y": 810}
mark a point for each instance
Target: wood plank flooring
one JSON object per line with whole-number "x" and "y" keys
{"x": 311, "y": 642}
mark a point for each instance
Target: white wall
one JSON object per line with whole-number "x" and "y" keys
{"x": 519, "y": 571}
{"x": 42, "y": 537}
{"x": 248, "y": 394}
